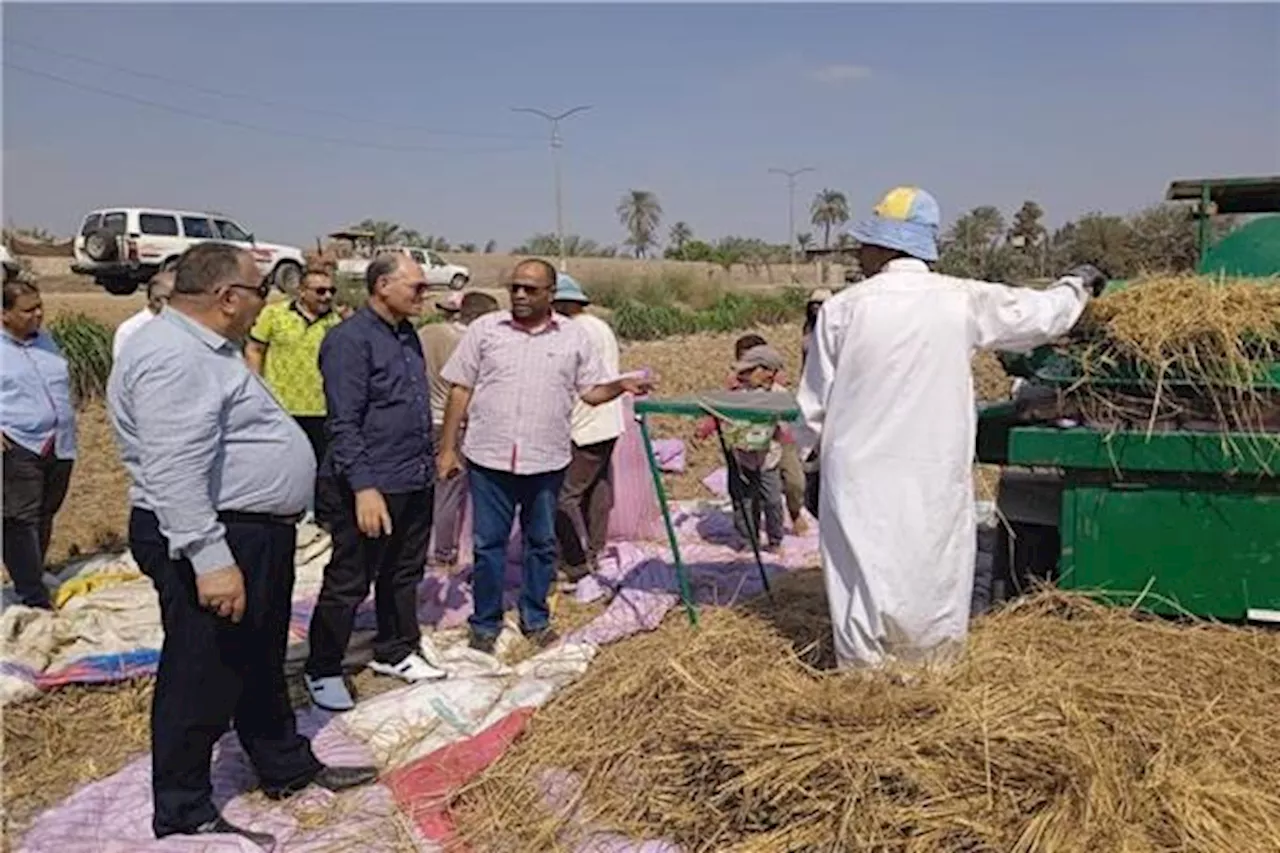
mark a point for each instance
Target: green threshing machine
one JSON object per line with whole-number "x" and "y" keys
{"x": 1176, "y": 521}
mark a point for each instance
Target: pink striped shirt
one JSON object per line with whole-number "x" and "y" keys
{"x": 523, "y": 387}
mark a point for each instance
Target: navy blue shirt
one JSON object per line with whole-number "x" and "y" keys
{"x": 375, "y": 387}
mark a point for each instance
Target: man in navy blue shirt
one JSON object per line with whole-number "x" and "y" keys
{"x": 379, "y": 471}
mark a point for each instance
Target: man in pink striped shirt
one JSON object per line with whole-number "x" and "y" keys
{"x": 516, "y": 376}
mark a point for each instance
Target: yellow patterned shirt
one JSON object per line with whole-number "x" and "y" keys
{"x": 291, "y": 366}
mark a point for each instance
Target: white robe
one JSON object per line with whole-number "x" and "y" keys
{"x": 887, "y": 390}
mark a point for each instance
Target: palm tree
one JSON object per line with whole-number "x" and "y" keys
{"x": 829, "y": 209}
{"x": 804, "y": 240}
{"x": 384, "y": 233}
{"x": 640, "y": 213}
{"x": 411, "y": 237}
{"x": 681, "y": 233}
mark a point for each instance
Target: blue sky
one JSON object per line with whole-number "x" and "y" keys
{"x": 1080, "y": 107}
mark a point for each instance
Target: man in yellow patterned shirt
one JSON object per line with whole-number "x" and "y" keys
{"x": 284, "y": 349}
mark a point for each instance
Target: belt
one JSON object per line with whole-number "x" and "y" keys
{"x": 235, "y": 516}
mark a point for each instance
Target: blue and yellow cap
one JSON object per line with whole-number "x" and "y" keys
{"x": 906, "y": 219}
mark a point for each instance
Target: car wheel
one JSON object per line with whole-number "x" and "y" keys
{"x": 119, "y": 286}
{"x": 101, "y": 245}
{"x": 287, "y": 278}
{"x": 170, "y": 265}
{"x": 458, "y": 282}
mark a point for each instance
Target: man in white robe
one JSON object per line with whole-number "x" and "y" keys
{"x": 888, "y": 395}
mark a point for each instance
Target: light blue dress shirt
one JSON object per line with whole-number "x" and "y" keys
{"x": 201, "y": 433}
{"x": 35, "y": 395}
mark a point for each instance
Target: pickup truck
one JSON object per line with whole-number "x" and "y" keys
{"x": 438, "y": 271}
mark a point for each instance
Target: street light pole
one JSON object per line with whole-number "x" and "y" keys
{"x": 557, "y": 143}
{"x": 791, "y": 175}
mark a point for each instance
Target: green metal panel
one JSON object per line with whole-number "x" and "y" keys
{"x": 749, "y": 407}
{"x": 1209, "y": 552}
{"x": 1242, "y": 455}
{"x": 1250, "y": 251}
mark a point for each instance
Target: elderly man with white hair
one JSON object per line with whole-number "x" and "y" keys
{"x": 887, "y": 392}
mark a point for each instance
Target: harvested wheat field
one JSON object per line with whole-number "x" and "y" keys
{"x": 1067, "y": 727}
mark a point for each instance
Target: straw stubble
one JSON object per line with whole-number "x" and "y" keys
{"x": 1067, "y": 727}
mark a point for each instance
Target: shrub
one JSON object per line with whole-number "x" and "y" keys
{"x": 86, "y": 343}
{"x": 636, "y": 321}
{"x": 667, "y": 289}
{"x": 350, "y": 291}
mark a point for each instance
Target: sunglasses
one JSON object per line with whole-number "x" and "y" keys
{"x": 263, "y": 290}
{"x": 324, "y": 291}
{"x": 531, "y": 289}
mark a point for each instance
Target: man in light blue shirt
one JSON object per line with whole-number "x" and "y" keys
{"x": 220, "y": 475}
{"x": 39, "y": 435}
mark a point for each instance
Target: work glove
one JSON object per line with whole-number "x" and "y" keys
{"x": 1093, "y": 278}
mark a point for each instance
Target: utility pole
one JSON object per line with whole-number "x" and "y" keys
{"x": 556, "y": 144}
{"x": 791, "y": 175}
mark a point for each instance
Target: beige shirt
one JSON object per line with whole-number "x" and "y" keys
{"x": 594, "y": 424}
{"x": 439, "y": 340}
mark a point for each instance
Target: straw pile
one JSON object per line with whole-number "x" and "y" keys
{"x": 1199, "y": 347}
{"x": 63, "y": 739}
{"x": 1068, "y": 727}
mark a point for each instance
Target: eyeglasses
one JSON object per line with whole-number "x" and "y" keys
{"x": 324, "y": 291}
{"x": 263, "y": 290}
{"x": 531, "y": 289}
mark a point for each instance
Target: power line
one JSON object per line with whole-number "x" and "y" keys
{"x": 274, "y": 104}
{"x": 556, "y": 144}
{"x": 791, "y": 175}
{"x": 273, "y": 131}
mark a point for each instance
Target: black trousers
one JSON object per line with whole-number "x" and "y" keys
{"x": 812, "y": 483}
{"x": 393, "y": 564}
{"x": 313, "y": 426}
{"x": 213, "y": 672}
{"x": 34, "y": 489}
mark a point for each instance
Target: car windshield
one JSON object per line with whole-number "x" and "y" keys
{"x": 435, "y": 259}
{"x": 230, "y": 231}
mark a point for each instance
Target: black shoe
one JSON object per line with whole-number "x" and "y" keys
{"x": 543, "y": 637}
{"x": 330, "y": 778}
{"x": 483, "y": 642}
{"x": 221, "y": 826}
{"x": 337, "y": 779}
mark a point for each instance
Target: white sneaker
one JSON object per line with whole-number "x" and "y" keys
{"x": 412, "y": 669}
{"x": 329, "y": 693}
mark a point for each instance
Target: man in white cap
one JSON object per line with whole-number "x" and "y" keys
{"x": 888, "y": 394}
{"x": 586, "y": 498}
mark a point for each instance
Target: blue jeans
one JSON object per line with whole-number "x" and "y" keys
{"x": 494, "y": 498}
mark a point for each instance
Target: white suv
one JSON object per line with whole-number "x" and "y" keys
{"x": 438, "y": 271}
{"x": 124, "y": 246}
